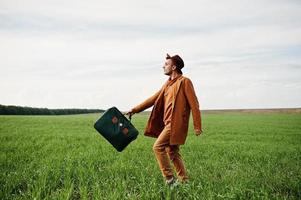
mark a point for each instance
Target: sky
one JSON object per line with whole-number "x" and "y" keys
{"x": 101, "y": 53}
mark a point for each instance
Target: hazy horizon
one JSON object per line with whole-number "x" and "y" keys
{"x": 148, "y": 110}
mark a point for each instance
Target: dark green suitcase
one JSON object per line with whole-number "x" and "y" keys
{"x": 116, "y": 128}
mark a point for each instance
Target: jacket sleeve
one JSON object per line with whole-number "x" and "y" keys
{"x": 147, "y": 103}
{"x": 193, "y": 103}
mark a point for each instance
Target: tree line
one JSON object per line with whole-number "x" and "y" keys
{"x": 19, "y": 110}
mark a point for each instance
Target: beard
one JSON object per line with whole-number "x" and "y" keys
{"x": 168, "y": 73}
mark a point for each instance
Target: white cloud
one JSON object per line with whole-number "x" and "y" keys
{"x": 104, "y": 53}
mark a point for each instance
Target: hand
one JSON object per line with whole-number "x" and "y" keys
{"x": 198, "y": 132}
{"x": 129, "y": 113}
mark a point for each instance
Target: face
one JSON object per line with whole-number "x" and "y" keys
{"x": 168, "y": 67}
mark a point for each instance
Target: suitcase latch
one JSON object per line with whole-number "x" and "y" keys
{"x": 114, "y": 120}
{"x": 125, "y": 131}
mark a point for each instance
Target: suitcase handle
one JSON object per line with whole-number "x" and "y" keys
{"x": 130, "y": 116}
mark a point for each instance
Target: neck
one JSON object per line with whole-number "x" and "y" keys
{"x": 174, "y": 75}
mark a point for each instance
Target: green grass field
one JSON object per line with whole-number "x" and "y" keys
{"x": 239, "y": 156}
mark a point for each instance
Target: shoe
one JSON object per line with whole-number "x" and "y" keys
{"x": 175, "y": 184}
{"x": 170, "y": 181}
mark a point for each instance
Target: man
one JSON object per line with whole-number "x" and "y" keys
{"x": 169, "y": 118}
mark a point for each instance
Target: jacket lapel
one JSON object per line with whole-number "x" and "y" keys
{"x": 176, "y": 90}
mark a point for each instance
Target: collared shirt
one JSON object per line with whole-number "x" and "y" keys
{"x": 168, "y": 98}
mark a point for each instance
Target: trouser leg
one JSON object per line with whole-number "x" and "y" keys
{"x": 159, "y": 149}
{"x": 175, "y": 157}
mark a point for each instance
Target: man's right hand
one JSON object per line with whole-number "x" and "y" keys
{"x": 130, "y": 113}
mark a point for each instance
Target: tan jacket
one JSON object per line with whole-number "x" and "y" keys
{"x": 184, "y": 100}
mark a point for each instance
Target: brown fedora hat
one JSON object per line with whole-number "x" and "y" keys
{"x": 177, "y": 61}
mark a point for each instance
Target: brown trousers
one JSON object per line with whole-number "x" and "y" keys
{"x": 165, "y": 153}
